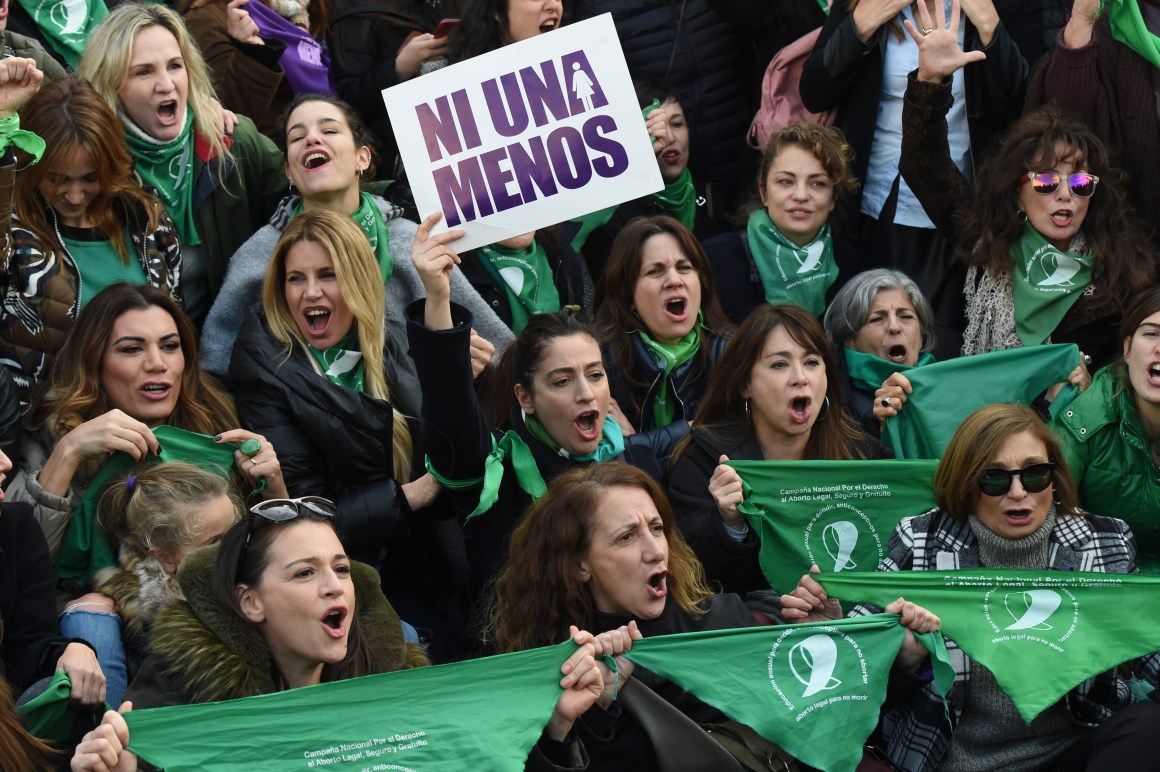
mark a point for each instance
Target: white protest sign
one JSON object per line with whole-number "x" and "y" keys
{"x": 532, "y": 134}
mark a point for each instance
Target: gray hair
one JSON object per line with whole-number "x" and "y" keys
{"x": 850, "y": 308}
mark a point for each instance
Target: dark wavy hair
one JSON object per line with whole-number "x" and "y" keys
{"x": 483, "y": 28}
{"x": 1124, "y": 259}
{"x": 722, "y": 412}
{"x": 537, "y": 593}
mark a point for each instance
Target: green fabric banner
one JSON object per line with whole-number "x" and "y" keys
{"x": 1039, "y": 632}
{"x": 483, "y": 714}
{"x": 50, "y": 715}
{"x": 947, "y": 392}
{"x": 836, "y": 514}
{"x": 814, "y": 689}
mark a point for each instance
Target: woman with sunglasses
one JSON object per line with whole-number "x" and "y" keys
{"x": 279, "y": 605}
{"x": 1005, "y": 500}
{"x": 1048, "y": 232}
{"x": 1109, "y": 433}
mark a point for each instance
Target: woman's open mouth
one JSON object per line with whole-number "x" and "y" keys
{"x": 896, "y": 353}
{"x": 167, "y": 111}
{"x": 1018, "y": 516}
{"x": 1062, "y": 217}
{"x": 317, "y": 319}
{"x": 677, "y": 309}
{"x": 549, "y": 25}
{"x": 671, "y": 157}
{"x": 156, "y": 391}
{"x": 1153, "y": 374}
{"x": 588, "y": 425}
{"x": 658, "y": 585}
{"x": 799, "y": 410}
{"x": 334, "y": 622}
{"x": 315, "y": 159}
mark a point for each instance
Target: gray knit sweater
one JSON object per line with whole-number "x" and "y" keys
{"x": 242, "y": 288}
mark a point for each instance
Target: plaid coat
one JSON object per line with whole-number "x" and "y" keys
{"x": 915, "y": 730}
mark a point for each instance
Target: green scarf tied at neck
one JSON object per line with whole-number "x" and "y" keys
{"x": 610, "y": 446}
{"x": 168, "y": 167}
{"x": 670, "y": 357}
{"x": 789, "y": 273}
{"x": 342, "y": 363}
{"x": 1129, "y": 28}
{"x": 868, "y": 372}
{"x": 679, "y": 199}
{"x": 370, "y": 219}
{"x": 526, "y": 279}
{"x": 1046, "y": 284}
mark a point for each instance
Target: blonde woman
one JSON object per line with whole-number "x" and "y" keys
{"x": 317, "y": 370}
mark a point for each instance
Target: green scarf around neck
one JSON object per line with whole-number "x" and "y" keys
{"x": 610, "y": 446}
{"x": 679, "y": 198}
{"x": 1128, "y": 27}
{"x": 670, "y": 356}
{"x": 525, "y": 276}
{"x": 789, "y": 273}
{"x": 168, "y": 167}
{"x": 341, "y": 364}
{"x": 868, "y": 372}
{"x": 1046, "y": 284}
{"x": 370, "y": 219}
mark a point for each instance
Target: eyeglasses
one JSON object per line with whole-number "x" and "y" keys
{"x": 280, "y": 511}
{"x": 1081, "y": 184}
{"x": 1035, "y": 478}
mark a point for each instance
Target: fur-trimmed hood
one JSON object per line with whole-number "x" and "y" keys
{"x": 139, "y": 587}
{"x": 212, "y": 654}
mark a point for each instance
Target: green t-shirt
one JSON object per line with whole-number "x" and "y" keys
{"x": 98, "y": 262}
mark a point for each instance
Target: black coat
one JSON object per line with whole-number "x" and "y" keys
{"x": 331, "y": 441}
{"x": 728, "y": 561}
{"x": 739, "y": 285}
{"x": 458, "y": 438}
{"x": 30, "y": 640}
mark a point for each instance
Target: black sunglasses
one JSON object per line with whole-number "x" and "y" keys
{"x": 1035, "y": 478}
{"x": 280, "y": 511}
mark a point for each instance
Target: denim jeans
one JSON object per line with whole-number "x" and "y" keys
{"x": 102, "y": 629}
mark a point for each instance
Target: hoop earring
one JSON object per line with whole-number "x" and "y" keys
{"x": 1023, "y": 216}
{"x": 291, "y": 183}
{"x": 825, "y": 408}
{"x": 359, "y": 173}
{"x": 748, "y": 417}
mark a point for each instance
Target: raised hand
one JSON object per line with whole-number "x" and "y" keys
{"x": 19, "y": 82}
{"x": 939, "y": 54}
{"x": 240, "y": 25}
{"x": 725, "y": 488}
{"x": 435, "y": 261}
{"x": 872, "y": 14}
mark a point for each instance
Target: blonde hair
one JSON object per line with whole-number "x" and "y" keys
{"x": 361, "y": 283}
{"x": 109, "y": 51}
{"x": 152, "y": 511}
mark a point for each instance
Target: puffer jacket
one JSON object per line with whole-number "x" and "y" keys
{"x": 1112, "y": 463}
{"x": 42, "y": 285}
{"x": 203, "y": 651}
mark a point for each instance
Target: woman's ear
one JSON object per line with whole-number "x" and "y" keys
{"x": 363, "y": 158}
{"x": 1127, "y": 347}
{"x": 524, "y": 397}
{"x": 582, "y": 573}
{"x": 250, "y": 604}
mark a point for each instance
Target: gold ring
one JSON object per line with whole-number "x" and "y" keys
{"x": 927, "y": 30}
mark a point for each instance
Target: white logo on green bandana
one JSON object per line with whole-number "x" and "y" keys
{"x": 1031, "y": 614}
{"x": 1032, "y": 608}
{"x": 1048, "y": 267}
{"x": 175, "y": 164}
{"x": 841, "y": 527}
{"x": 514, "y": 277}
{"x": 813, "y": 261}
{"x": 812, "y": 663}
{"x": 68, "y": 15}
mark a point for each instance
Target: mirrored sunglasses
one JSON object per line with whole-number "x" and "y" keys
{"x": 1081, "y": 184}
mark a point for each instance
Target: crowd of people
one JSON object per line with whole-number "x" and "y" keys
{"x": 264, "y": 426}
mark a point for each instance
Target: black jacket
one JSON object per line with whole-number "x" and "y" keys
{"x": 739, "y": 285}
{"x": 688, "y": 380}
{"x": 458, "y": 438}
{"x": 728, "y": 561}
{"x": 331, "y": 441}
{"x": 844, "y": 73}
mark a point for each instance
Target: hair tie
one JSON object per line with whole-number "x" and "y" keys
{"x": 131, "y": 482}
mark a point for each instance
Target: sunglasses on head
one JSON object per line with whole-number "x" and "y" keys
{"x": 1081, "y": 184}
{"x": 1035, "y": 478}
{"x": 282, "y": 510}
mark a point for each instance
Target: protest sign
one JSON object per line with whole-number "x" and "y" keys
{"x": 1040, "y": 633}
{"x": 814, "y": 689}
{"x": 526, "y": 136}
{"x": 484, "y": 714}
{"x": 835, "y": 514}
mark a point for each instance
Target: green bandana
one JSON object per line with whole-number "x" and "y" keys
{"x": 1046, "y": 285}
{"x": 789, "y": 273}
{"x": 50, "y": 715}
{"x": 610, "y": 446}
{"x": 11, "y": 135}
{"x": 168, "y": 167}
{"x": 66, "y": 25}
{"x": 947, "y": 392}
{"x": 86, "y": 549}
{"x": 679, "y": 199}
{"x": 342, "y": 363}
{"x": 588, "y": 223}
{"x": 869, "y": 372}
{"x": 370, "y": 219}
{"x": 837, "y": 515}
{"x": 1039, "y": 632}
{"x": 490, "y": 711}
{"x": 814, "y": 689}
{"x": 1129, "y": 28}
{"x": 526, "y": 279}
{"x": 670, "y": 356}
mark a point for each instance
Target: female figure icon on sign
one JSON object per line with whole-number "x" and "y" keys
{"x": 582, "y": 86}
